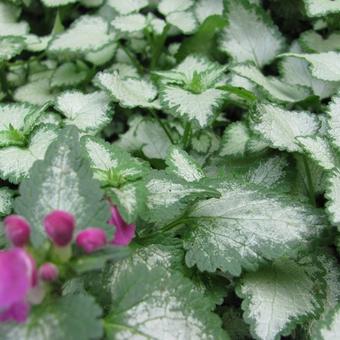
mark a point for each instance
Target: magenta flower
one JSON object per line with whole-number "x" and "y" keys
{"x": 59, "y": 226}
{"x": 124, "y": 232}
{"x": 91, "y": 239}
{"x": 17, "y": 273}
{"x": 48, "y": 272}
{"x": 17, "y": 230}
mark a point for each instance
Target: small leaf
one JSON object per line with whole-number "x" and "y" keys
{"x": 251, "y": 35}
{"x": 324, "y": 66}
{"x": 185, "y": 21}
{"x": 314, "y": 43}
{"x": 89, "y": 112}
{"x": 129, "y": 23}
{"x": 273, "y": 87}
{"x": 57, "y": 3}
{"x": 10, "y": 47}
{"x": 318, "y": 8}
{"x": 279, "y": 296}
{"x": 127, "y": 6}
{"x": 62, "y": 181}
{"x": 15, "y": 162}
{"x": 6, "y": 201}
{"x": 182, "y": 165}
{"x": 8, "y": 21}
{"x": 280, "y": 127}
{"x": 170, "y": 6}
{"x": 68, "y": 75}
{"x": 86, "y": 34}
{"x": 206, "y": 8}
{"x": 333, "y": 196}
{"x": 128, "y": 92}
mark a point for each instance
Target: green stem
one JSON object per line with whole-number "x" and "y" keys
{"x": 157, "y": 47}
{"x": 164, "y": 126}
{"x": 310, "y": 186}
{"x": 186, "y": 140}
{"x": 133, "y": 59}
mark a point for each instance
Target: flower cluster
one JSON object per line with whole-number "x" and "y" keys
{"x": 23, "y": 282}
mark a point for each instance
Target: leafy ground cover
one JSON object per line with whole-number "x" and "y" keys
{"x": 169, "y": 169}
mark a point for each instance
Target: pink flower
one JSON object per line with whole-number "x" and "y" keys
{"x": 17, "y": 230}
{"x": 48, "y": 272}
{"x": 91, "y": 239}
{"x": 18, "y": 275}
{"x": 59, "y": 226}
{"x": 124, "y": 232}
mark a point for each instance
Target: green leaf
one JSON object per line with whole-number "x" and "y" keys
{"x": 68, "y": 75}
{"x": 206, "y": 8}
{"x": 280, "y": 127}
{"x": 10, "y": 47}
{"x": 324, "y": 66}
{"x": 314, "y": 43}
{"x": 333, "y": 196}
{"x": 245, "y": 227}
{"x": 67, "y": 318}
{"x": 8, "y": 21}
{"x": 182, "y": 165}
{"x": 145, "y": 135}
{"x": 128, "y": 6}
{"x": 57, "y": 3}
{"x": 194, "y": 107}
{"x": 251, "y": 34}
{"x": 320, "y": 150}
{"x": 112, "y": 165}
{"x": 35, "y": 92}
{"x": 130, "y": 23}
{"x": 86, "y": 34}
{"x": 238, "y": 141}
{"x": 329, "y": 328}
{"x": 6, "y": 201}
{"x": 88, "y": 112}
{"x": 152, "y": 304}
{"x": 15, "y": 162}
{"x": 318, "y": 8}
{"x": 295, "y": 71}
{"x": 281, "y": 295}
{"x": 128, "y": 92}
{"x": 334, "y": 121}
{"x": 168, "y": 196}
{"x": 170, "y": 6}
{"x": 273, "y": 87}
{"x": 62, "y": 181}
{"x": 130, "y": 199}
{"x": 185, "y": 21}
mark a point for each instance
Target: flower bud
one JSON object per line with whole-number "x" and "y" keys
{"x": 48, "y": 272}
{"x": 124, "y": 232}
{"x": 59, "y": 226}
{"x": 17, "y": 230}
{"x": 91, "y": 239}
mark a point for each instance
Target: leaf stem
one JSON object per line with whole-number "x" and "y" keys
{"x": 157, "y": 47}
{"x": 310, "y": 186}
{"x": 186, "y": 140}
{"x": 133, "y": 59}
{"x": 164, "y": 126}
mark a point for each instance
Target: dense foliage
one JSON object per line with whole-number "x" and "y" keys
{"x": 171, "y": 168}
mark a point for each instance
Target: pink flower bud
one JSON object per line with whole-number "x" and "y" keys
{"x": 48, "y": 272}
{"x": 91, "y": 239}
{"x": 59, "y": 226}
{"x": 124, "y": 232}
{"x": 17, "y": 230}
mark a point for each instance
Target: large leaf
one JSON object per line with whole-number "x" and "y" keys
{"x": 63, "y": 181}
{"x": 251, "y": 34}
{"x": 280, "y": 127}
{"x": 245, "y": 227}
{"x": 59, "y": 319}
{"x": 280, "y": 295}
{"x": 88, "y": 112}
{"x": 154, "y": 304}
